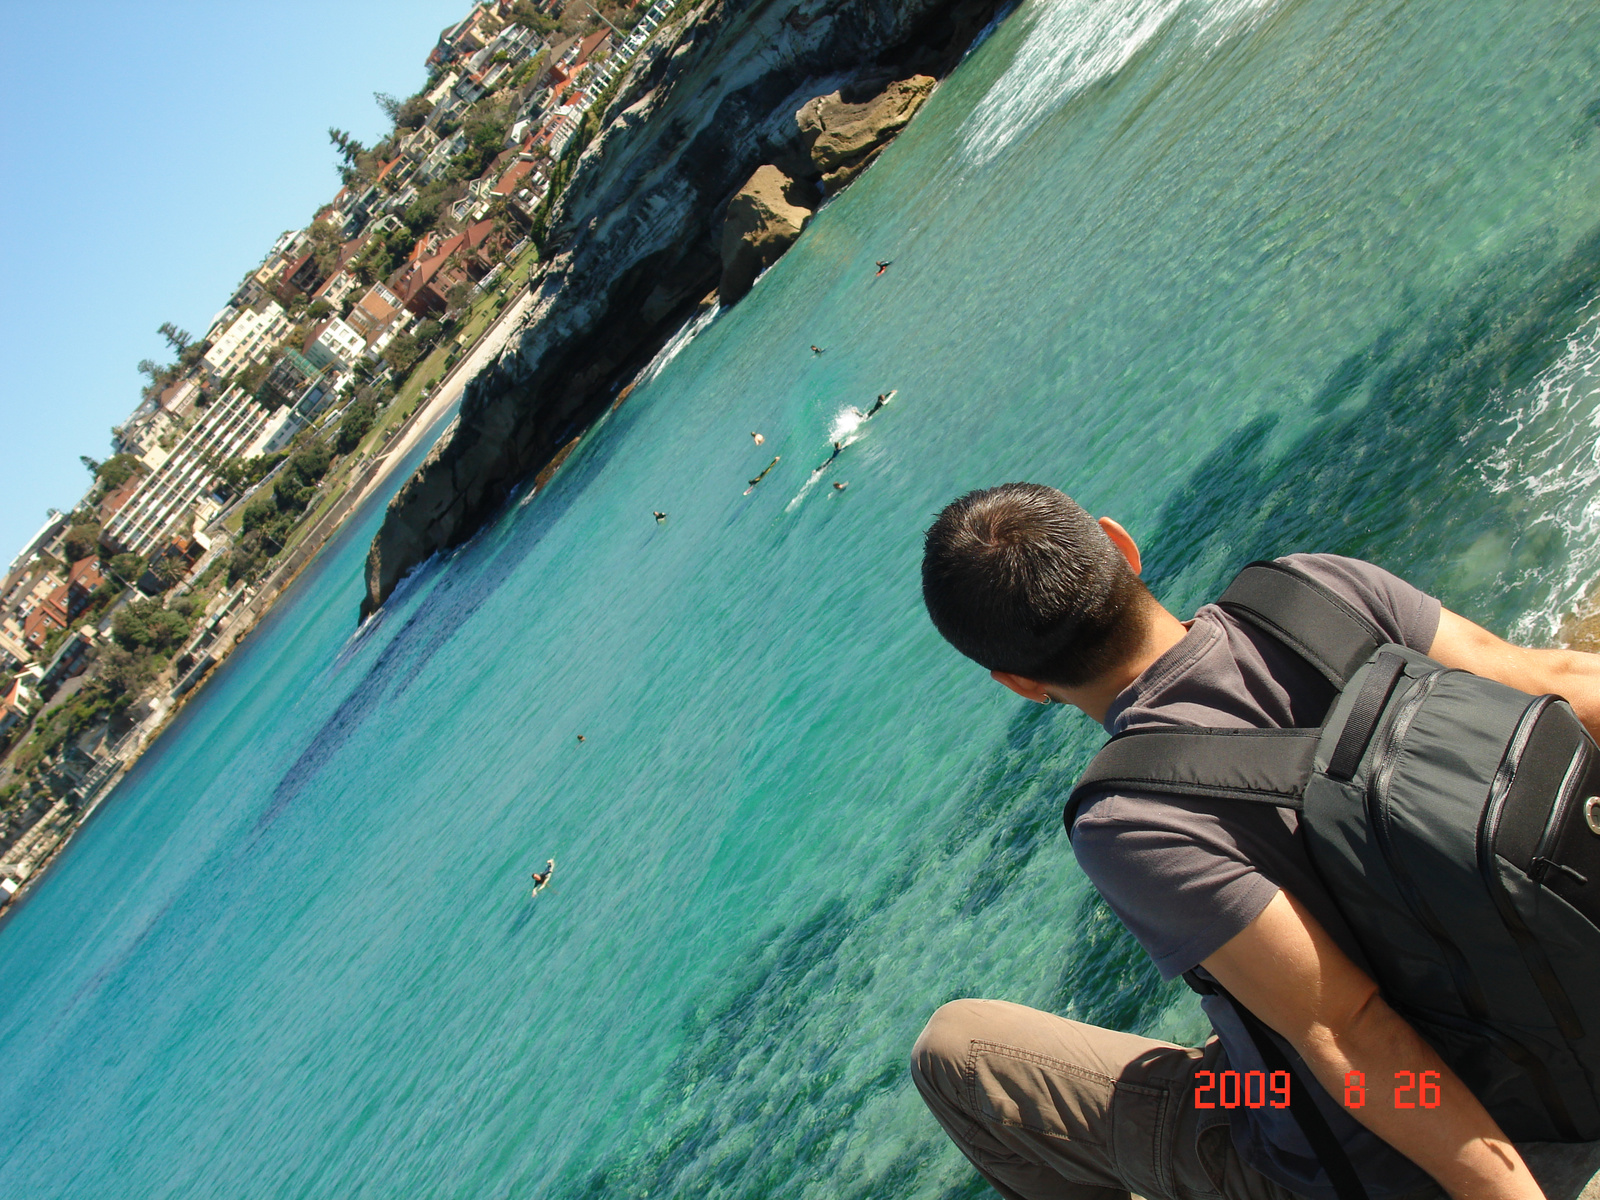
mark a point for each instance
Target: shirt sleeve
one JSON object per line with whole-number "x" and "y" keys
{"x": 1405, "y": 614}
{"x": 1175, "y": 875}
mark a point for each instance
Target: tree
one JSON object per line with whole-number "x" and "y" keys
{"x": 93, "y": 464}
{"x": 177, "y": 338}
{"x": 349, "y": 149}
{"x": 248, "y": 556}
{"x": 170, "y": 571}
{"x": 391, "y": 106}
{"x": 353, "y": 426}
{"x": 118, "y": 469}
{"x": 326, "y": 247}
{"x": 402, "y": 353}
{"x": 127, "y": 568}
{"x": 125, "y": 672}
{"x": 413, "y": 113}
{"x": 318, "y": 309}
{"x": 146, "y": 625}
{"x": 193, "y": 353}
{"x": 81, "y": 541}
{"x": 525, "y": 14}
{"x": 258, "y": 514}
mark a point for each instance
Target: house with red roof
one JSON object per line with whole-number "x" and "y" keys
{"x": 424, "y": 283}
{"x": 379, "y": 317}
{"x": 511, "y": 178}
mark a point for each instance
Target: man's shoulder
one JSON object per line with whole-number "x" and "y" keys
{"x": 1402, "y": 612}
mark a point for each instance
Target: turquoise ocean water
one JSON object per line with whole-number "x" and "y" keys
{"x": 1251, "y": 277}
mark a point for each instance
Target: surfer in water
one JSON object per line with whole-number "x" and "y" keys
{"x": 837, "y": 446}
{"x": 883, "y": 266}
{"x": 540, "y": 878}
{"x": 762, "y": 476}
{"x": 879, "y": 403}
{"x": 661, "y": 518}
{"x": 758, "y": 438}
{"x": 839, "y": 487}
{"x": 818, "y": 350}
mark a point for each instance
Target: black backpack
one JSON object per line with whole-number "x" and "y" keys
{"x": 1455, "y": 822}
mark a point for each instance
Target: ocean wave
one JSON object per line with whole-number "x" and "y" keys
{"x": 1075, "y": 43}
{"x": 1547, "y": 452}
{"x": 674, "y": 347}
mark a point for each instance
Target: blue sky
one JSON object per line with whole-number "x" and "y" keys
{"x": 151, "y": 154}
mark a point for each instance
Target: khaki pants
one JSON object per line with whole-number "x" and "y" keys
{"x": 1050, "y": 1109}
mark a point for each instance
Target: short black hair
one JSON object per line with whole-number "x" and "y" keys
{"x": 1020, "y": 579}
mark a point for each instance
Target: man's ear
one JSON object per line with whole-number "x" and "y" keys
{"x": 1122, "y": 540}
{"x": 1028, "y": 689}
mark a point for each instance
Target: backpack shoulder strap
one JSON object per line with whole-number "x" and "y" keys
{"x": 1305, "y": 616}
{"x": 1263, "y": 766}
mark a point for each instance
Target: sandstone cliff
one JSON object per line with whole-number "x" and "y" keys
{"x": 637, "y": 240}
{"x": 764, "y": 218}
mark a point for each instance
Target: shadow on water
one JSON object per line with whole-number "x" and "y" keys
{"x": 1380, "y": 474}
{"x": 758, "y": 1037}
{"x": 471, "y": 578}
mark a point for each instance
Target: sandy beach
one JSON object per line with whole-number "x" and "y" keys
{"x": 448, "y": 393}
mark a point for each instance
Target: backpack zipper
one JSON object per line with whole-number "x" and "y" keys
{"x": 1541, "y": 863}
{"x": 1533, "y": 955}
{"x": 1471, "y": 994}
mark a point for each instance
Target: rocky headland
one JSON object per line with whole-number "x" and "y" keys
{"x": 725, "y": 133}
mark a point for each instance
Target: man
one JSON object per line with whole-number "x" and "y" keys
{"x": 1022, "y": 580}
{"x": 540, "y": 878}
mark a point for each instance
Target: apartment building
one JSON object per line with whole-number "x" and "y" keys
{"x": 224, "y": 431}
{"x": 251, "y": 338}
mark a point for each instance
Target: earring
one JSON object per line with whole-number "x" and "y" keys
{"x": 1047, "y": 701}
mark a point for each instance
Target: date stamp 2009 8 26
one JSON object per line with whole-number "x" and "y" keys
{"x": 1257, "y": 1089}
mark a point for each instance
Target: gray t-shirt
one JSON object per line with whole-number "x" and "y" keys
{"x": 1185, "y": 875}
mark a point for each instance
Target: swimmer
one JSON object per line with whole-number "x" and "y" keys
{"x": 763, "y": 474}
{"x": 883, "y": 266}
{"x": 818, "y": 350}
{"x": 837, "y": 446}
{"x": 661, "y": 518}
{"x": 542, "y": 878}
{"x": 758, "y": 438}
{"x": 839, "y": 487}
{"x": 580, "y": 737}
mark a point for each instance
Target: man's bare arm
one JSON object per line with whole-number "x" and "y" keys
{"x": 1570, "y": 674}
{"x": 1285, "y": 969}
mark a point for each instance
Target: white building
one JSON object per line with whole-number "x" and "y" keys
{"x": 225, "y": 429}
{"x": 337, "y": 344}
{"x": 439, "y": 158}
{"x": 251, "y": 338}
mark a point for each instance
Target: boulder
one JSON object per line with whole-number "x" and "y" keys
{"x": 764, "y": 218}
{"x": 844, "y": 129}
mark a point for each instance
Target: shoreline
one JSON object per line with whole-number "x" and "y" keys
{"x": 408, "y": 435}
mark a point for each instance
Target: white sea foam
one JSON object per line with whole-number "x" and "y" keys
{"x": 846, "y": 428}
{"x": 1076, "y": 43}
{"x": 674, "y": 347}
{"x": 845, "y": 425}
{"x": 1548, "y": 451}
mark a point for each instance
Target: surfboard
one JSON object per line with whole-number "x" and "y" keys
{"x": 763, "y": 475}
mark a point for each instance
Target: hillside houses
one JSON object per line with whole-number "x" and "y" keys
{"x": 329, "y": 324}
